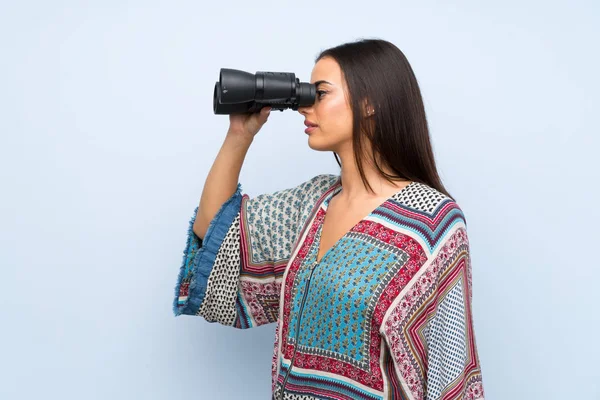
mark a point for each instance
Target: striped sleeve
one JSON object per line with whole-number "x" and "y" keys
{"x": 453, "y": 367}
{"x": 430, "y": 330}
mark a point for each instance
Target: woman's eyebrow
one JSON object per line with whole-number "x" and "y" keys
{"x": 317, "y": 83}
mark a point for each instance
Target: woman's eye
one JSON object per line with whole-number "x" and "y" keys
{"x": 321, "y": 93}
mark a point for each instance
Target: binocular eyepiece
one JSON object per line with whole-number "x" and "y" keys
{"x": 239, "y": 92}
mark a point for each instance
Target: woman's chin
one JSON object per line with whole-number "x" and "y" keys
{"x": 315, "y": 144}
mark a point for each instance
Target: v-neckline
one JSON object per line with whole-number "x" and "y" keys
{"x": 325, "y": 205}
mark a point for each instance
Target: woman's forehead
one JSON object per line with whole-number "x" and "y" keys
{"x": 326, "y": 69}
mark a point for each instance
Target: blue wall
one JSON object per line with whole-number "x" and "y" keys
{"x": 107, "y": 135}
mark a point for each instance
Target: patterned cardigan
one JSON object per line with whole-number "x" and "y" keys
{"x": 385, "y": 314}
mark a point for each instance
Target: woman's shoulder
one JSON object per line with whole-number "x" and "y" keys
{"x": 301, "y": 193}
{"x": 317, "y": 185}
{"x": 428, "y": 200}
{"x": 324, "y": 181}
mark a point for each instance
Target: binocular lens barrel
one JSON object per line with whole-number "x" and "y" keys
{"x": 242, "y": 92}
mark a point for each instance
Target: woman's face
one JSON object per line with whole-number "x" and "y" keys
{"x": 331, "y": 111}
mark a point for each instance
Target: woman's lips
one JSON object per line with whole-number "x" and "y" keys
{"x": 310, "y": 129}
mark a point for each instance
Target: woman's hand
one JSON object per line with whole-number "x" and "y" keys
{"x": 248, "y": 125}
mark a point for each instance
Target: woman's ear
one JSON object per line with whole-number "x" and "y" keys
{"x": 368, "y": 110}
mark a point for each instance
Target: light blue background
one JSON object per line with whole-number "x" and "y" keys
{"x": 107, "y": 135}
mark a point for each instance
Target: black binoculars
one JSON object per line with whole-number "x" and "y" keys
{"x": 239, "y": 92}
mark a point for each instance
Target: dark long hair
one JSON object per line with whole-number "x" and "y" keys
{"x": 377, "y": 71}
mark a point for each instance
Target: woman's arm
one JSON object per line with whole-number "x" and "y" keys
{"x": 222, "y": 180}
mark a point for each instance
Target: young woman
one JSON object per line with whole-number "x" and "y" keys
{"x": 366, "y": 274}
